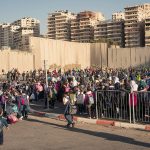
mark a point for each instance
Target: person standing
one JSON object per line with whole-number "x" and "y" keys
{"x": 3, "y": 123}
{"x": 67, "y": 113}
{"x": 23, "y": 103}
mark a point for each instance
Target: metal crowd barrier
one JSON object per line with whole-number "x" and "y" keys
{"x": 123, "y": 106}
{"x": 140, "y": 106}
{"x": 112, "y": 104}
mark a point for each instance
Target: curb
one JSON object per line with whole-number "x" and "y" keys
{"x": 94, "y": 121}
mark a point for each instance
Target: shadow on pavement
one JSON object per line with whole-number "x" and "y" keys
{"x": 107, "y": 136}
{"x": 39, "y": 106}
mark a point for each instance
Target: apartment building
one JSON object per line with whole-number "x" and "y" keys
{"x": 82, "y": 27}
{"x": 118, "y": 16}
{"x": 134, "y": 25}
{"x": 27, "y": 27}
{"x": 147, "y": 31}
{"x": 100, "y": 31}
{"x": 28, "y": 22}
{"x": 21, "y": 38}
{"x": 59, "y": 25}
{"x": 110, "y": 31}
{"x": 115, "y": 32}
{"x": 4, "y": 35}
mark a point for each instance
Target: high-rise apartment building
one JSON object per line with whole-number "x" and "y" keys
{"x": 147, "y": 31}
{"x": 4, "y": 35}
{"x": 115, "y": 32}
{"x": 16, "y": 35}
{"x": 110, "y": 30}
{"x": 82, "y": 27}
{"x": 12, "y": 30}
{"x": 28, "y": 22}
{"x": 21, "y": 38}
{"x": 27, "y": 27}
{"x": 134, "y": 25}
{"x": 100, "y": 31}
{"x": 59, "y": 25}
{"x": 118, "y": 16}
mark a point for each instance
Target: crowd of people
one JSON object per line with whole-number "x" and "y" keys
{"x": 75, "y": 88}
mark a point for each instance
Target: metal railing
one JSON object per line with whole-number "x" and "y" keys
{"x": 140, "y": 106}
{"x": 123, "y": 106}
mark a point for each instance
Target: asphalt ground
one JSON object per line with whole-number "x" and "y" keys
{"x": 40, "y": 133}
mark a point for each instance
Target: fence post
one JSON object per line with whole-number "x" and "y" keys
{"x": 130, "y": 108}
{"x": 133, "y": 107}
{"x": 96, "y": 106}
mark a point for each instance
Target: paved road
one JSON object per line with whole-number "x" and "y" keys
{"x": 48, "y": 134}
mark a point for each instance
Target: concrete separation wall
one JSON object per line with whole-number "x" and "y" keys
{"x": 63, "y": 53}
{"x": 70, "y": 54}
{"x": 128, "y": 57}
{"x": 10, "y": 59}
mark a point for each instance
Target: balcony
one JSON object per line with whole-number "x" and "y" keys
{"x": 131, "y": 23}
{"x": 114, "y": 33}
{"x": 132, "y": 19}
{"x": 130, "y": 28}
{"x": 114, "y": 26}
{"x": 114, "y": 30}
{"x": 75, "y": 29}
{"x": 129, "y": 10}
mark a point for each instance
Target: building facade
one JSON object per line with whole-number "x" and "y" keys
{"x": 28, "y": 22}
{"x": 27, "y": 27}
{"x": 115, "y": 32}
{"x": 100, "y": 31}
{"x": 147, "y": 31}
{"x": 21, "y": 38}
{"x": 82, "y": 27}
{"x": 59, "y": 25}
{"x": 4, "y": 35}
{"x": 118, "y": 16}
{"x": 134, "y": 25}
{"x": 111, "y": 32}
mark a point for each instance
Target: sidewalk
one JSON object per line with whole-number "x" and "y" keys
{"x": 57, "y": 113}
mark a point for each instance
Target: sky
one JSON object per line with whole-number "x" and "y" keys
{"x": 11, "y": 10}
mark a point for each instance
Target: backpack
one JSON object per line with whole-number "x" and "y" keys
{"x": 72, "y": 109}
{"x": 12, "y": 118}
{"x": 91, "y": 99}
{"x": 80, "y": 99}
{"x": 22, "y": 101}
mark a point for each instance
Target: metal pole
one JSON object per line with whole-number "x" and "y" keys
{"x": 46, "y": 81}
{"x": 130, "y": 108}
{"x": 96, "y": 107}
{"x": 133, "y": 107}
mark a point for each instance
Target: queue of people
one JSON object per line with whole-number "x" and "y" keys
{"x": 75, "y": 88}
